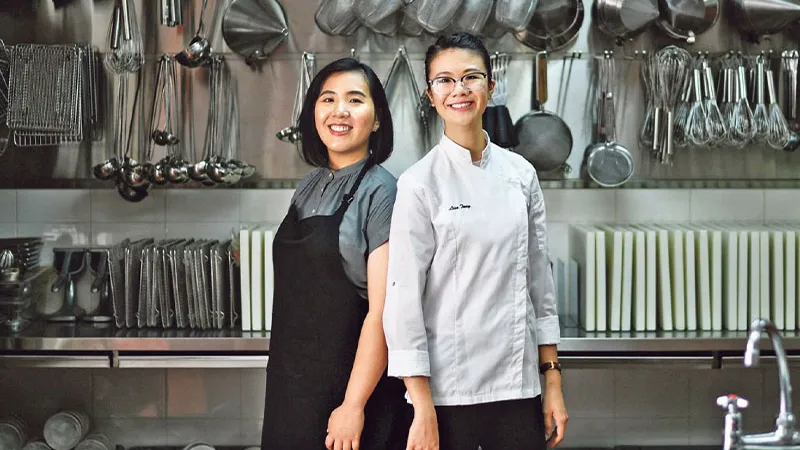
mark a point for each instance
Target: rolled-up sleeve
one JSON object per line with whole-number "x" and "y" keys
{"x": 411, "y": 248}
{"x": 540, "y": 273}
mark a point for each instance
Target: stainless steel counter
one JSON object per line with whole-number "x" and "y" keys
{"x": 575, "y": 342}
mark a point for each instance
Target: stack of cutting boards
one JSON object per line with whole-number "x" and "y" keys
{"x": 256, "y": 276}
{"x": 683, "y": 276}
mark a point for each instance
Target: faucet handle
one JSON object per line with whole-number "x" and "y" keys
{"x": 732, "y": 402}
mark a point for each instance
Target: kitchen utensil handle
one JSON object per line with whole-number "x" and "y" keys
{"x": 126, "y": 20}
{"x": 177, "y": 12}
{"x": 116, "y": 23}
{"x": 540, "y": 80}
{"x": 670, "y": 125}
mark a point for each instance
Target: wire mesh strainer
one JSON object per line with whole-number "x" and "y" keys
{"x": 337, "y": 17}
{"x": 436, "y": 15}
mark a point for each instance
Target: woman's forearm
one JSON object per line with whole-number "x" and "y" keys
{"x": 370, "y": 361}
{"x": 419, "y": 389}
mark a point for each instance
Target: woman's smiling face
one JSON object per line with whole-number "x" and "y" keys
{"x": 462, "y": 106}
{"x": 345, "y": 113}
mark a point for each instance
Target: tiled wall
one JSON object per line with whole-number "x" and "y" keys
{"x": 100, "y": 217}
{"x": 613, "y": 406}
{"x": 617, "y": 405}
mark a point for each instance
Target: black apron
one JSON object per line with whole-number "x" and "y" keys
{"x": 316, "y": 323}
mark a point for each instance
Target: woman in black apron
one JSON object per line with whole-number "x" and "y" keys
{"x": 326, "y": 381}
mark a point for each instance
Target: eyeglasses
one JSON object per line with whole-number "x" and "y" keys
{"x": 473, "y": 82}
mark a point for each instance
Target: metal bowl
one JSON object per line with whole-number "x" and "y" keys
{"x": 254, "y": 28}
{"x": 553, "y": 26}
{"x": 686, "y": 19}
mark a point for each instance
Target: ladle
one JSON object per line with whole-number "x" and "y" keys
{"x": 198, "y": 51}
{"x": 130, "y": 194}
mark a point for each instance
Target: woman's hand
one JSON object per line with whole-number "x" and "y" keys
{"x": 344, "y": 428}
{"x": 424, "y": 431}
{"x": 555, "y": 413}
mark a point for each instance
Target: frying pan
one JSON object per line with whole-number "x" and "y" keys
{"x": 544, "y": 139}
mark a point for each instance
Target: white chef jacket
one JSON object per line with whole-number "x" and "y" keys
{"x": 470, "y": 292}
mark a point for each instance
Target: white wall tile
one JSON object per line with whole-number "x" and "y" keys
{"x": 583, "y": 432}
{"x": 56, "y": 235}
{"x": 202, "y": 230}
{"x": 580, "y": 205}
{"x": 635, "y": 396}
{"x": 253, "y": 383}
{"x": 650, "y": 205}
{"x": 781, "y": 204}
{"x": 727, "y": 204}
{"x": 53, "y": 205}
{"x": 706, "y": 385}
{"x": 134, "y": 432}
{"x": 771, "y": 399}
{"x": 251, "y": 432}
{"x": 108, "y": 206}
{"x": 213, "y": 431}
{"x": 110, "y": 233}
{"x": 204, "y": 393}
{"x": 652, "y": 431}
{"x": 8, "y": 229}
{"x": 589, "y": 393}
{"x": 130, "y": 393}
{"x": 265, "y": 205}
{"x": 203, "y": 205}
{"x": 8, "y": 205}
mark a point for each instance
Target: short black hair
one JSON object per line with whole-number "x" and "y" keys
{"x": 460, "y": 40}
{"x": 381, "y": 142}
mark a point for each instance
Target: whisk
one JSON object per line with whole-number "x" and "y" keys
{"x": 741, "y": 123}
{"x": 672, "y": 71}
{"x": 647, "y": 136}
{"x": 715, "y": 124}
{"x": 778, "y": 128}
{"x": 760, "y": 114}
{"x": 125, "y": 54}
{"x": 728, "y": 100}
{"x": 682, "y": 115}
{"x": 696, "y": 128}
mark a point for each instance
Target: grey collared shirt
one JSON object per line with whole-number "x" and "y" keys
{"x": 365, "y": 225}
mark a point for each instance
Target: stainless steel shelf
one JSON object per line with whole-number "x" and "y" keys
{"x": 86, "y": 338}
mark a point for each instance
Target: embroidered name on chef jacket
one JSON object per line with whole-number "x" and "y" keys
{"x": 459, "y": 206}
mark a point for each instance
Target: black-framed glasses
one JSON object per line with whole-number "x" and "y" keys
{"x": 473, "y": 82}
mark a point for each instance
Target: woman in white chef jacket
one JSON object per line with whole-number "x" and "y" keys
{"x": 470, "y": 315}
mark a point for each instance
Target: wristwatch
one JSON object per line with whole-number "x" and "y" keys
{"x": 549, "y": 365}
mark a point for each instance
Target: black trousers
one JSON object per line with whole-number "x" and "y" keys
{"x": 505, "y": 425}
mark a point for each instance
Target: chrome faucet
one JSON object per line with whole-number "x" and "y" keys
{"x": 786, "y": 435}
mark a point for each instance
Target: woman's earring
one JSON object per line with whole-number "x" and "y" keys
{"x": 376, "y": 126}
